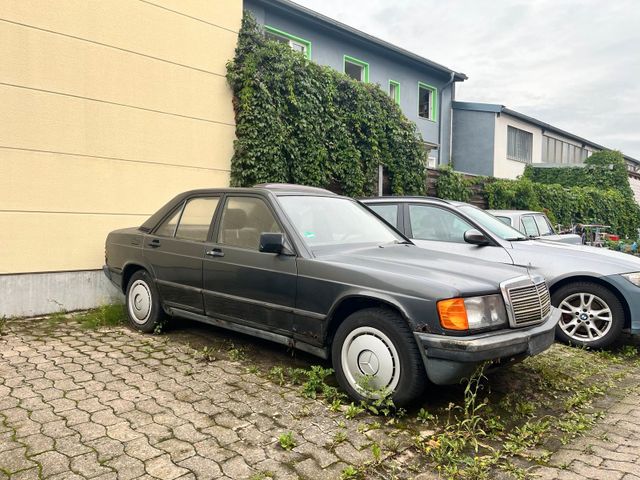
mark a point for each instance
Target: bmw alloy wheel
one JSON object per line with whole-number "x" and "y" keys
{"x": 585, "y": 317}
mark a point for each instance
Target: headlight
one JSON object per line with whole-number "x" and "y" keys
{"x": 633, "y": 278}
{"x": 472, "y": 313}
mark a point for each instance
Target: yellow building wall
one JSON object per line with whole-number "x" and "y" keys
{"x": 109, "y": 108}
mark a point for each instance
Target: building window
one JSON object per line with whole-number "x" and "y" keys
{"x": 558, "y": 151}
{"x": 297, "y": 44}
{"x": 427, "y": 101}
{"x": 394, "y": 91}
{"x": 356, "y": 69}
{"x": 519, "y": 145}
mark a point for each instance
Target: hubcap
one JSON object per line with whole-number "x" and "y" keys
{"x": 369, "y": 359}
{"x": 139, "y": 302}
{"x": 585, "y": 317}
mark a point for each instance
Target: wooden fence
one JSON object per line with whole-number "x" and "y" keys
{"x": 478, "y": 197}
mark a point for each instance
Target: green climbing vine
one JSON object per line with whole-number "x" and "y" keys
{"x": 300, "y": 122}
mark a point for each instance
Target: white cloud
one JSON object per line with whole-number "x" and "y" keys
{"x": 572, "y": 63}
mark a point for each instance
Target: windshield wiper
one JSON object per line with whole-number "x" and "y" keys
{"x": 517, "y": 239}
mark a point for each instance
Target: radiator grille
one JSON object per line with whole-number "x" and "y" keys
{"x": 529, "y": 304}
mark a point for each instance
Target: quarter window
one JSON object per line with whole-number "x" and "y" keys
{"x": 168, "y": 227}
{"x": 434, "y": 223}
{"x": 427, "y": 101}
{"x": 356, "y": 69}
{"x": 529, "y": 226}
{"x": 297, "y": 44}
{"x": 243, "y": 220}
{"x": 543, "y": 225}
{"x": 519, "y": 145}
{"x": 387, "y": 211}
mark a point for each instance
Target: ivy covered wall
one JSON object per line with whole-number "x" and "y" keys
{"x": 300, "y": 122}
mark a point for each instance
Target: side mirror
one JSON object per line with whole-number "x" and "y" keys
{"x": 271, "y": 243}
{"x": 475, "y": 237}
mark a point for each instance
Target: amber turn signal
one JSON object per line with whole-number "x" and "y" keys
{"x": 453, "y": 314}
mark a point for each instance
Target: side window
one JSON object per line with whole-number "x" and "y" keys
{"x": 168, "y": 227}
{"x": 529, "y": 226}
{"x": 505, "y": 220}
{"x": 196, "y": 219}
{"x": 243, "y": 220}
{"x": 434, "y": 223}
{"x": 543, "y": 225}
{"x": 387, "y": 211}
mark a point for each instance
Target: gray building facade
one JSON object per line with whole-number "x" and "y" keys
{"x": 493, "y": 140}
{"x": 423, "y": 89}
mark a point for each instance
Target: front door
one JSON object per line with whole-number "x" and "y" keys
{"x": 438, "y": 228}
{"x": 241, "y": 283}
{"x": 175, "y": 250}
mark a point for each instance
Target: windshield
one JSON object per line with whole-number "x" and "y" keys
{"x": 324, "y": 221}
{"x": 492, "y": 224}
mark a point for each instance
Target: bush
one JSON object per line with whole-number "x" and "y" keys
{"x": 568, "y": 205}
{"x": 603, "y": 170}
{"x": 299, "y": 122}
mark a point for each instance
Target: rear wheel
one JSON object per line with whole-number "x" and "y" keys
{"x": 592, "y": 316}
{"x": 144, "y": 309}
{"x": 374, "y": 353}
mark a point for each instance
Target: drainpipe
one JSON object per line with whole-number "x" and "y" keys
{"x": 451, "y": 80}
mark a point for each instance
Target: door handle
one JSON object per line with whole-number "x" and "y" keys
{"x": 214, "y": 252}
{"x": 154, "y": 243}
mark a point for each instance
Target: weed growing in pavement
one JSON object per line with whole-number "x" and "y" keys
{"x": 352, "y": 473}
{"x": 236, "y": 353}
{"x": 286, "y": 441}
{"x": 206, "y": 354}
{"x": 352, "y": 411}
{"x": 276, "y": 374}
{"x": 339, "y": 437}
{"x": 104, "y": 316}
{"x": 264, "y": 475}
{"x": 160, "y": 327}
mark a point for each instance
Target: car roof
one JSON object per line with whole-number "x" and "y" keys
{"x": 414, "y": 198}
{"x": 274, "y": 188}
{"x": 511, "y": 212}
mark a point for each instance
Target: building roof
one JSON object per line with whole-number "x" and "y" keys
{"x": 293, "y": 8}
{"x": 495, "y": 108}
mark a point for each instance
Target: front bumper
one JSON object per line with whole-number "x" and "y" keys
{"x": 450, "y": 359}
{"x": 631, "y": 295}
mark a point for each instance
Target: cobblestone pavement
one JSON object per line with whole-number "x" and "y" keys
{"x": 610, "y": 451}
{"x": 116, "y": 404}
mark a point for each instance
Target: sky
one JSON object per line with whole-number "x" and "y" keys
{"x": 572, "y": 63}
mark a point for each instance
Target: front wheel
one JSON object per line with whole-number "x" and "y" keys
{"x": 374, "y": 354}
{"x": 143, "y": 302}
{"x": 592, "y": 316}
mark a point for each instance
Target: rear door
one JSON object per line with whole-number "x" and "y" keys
{"x": 438, "y": 228}
{"x": 242, "y": 284}
{"x": 175, "y": 250}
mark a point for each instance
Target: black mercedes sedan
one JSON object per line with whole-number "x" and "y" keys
{"x": 322, "y": 273}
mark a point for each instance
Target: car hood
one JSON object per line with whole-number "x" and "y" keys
{"x": 466, "y": 275}
{"x": 555, "y": 258}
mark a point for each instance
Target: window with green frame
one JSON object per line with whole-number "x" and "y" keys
{"x": 297, "y": 44}
{"x": 427, "y": 101}
{"x": 356, "y": 69}
{"x": 394, "y": 91}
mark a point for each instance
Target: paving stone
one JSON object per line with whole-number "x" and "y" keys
{"x": 163, "y": 468}
{"x": 115, "y": 404}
